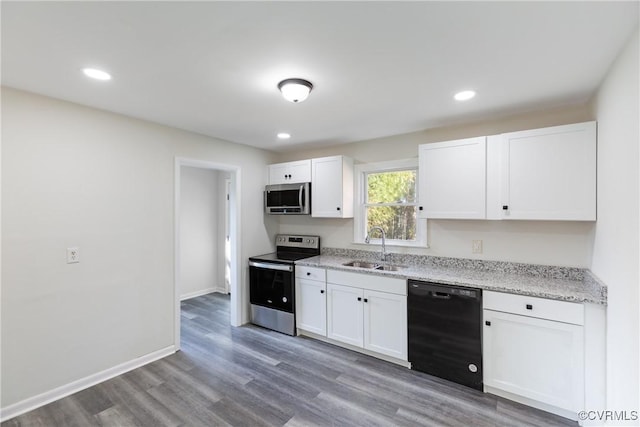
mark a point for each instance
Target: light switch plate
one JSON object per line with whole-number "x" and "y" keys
{"x": 73, "y": 255}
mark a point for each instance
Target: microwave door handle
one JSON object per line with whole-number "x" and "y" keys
{"x": 300, "y": 196}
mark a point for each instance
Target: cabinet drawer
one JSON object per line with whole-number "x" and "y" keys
{"x": 371, "y": 282}
{"x": 561, "y": 311}
{"x": 311, "y": 273}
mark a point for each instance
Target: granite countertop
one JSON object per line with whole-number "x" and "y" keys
{"x": 559, "y": 283}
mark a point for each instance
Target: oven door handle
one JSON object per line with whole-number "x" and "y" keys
{"x": 270, "y": 266}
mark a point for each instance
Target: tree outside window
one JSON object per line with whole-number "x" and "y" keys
{"x": 390, "y": 202}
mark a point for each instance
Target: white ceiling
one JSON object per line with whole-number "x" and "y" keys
{"x": 379, "y": 68}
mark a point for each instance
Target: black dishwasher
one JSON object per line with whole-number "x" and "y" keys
{"x": 445, "y": 331}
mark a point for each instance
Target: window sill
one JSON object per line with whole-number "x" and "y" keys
{"x": 397, "y": 244}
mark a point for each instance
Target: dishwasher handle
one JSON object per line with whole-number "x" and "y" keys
{"x": 439, "y": 295}
{"x": 441, "y": 292}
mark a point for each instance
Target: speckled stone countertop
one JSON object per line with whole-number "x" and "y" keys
{"x": 559, "y": 283}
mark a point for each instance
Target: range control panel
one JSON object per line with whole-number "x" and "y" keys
{"x": 298, "y": 241}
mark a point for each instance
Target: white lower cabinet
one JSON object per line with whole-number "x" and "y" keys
{"x": 344, "y": 314}
{"x": 385, "y": 323}
{"x": 311, "y": 306}
{"x": 364, "y": 311}
{"x": 363, "y": 315}
{"x": 540, "y": 360}
{"x": 311, "y": 300}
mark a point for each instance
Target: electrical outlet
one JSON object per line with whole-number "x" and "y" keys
{"x": 476, "y": 246}
{"x": 73, "y": 255}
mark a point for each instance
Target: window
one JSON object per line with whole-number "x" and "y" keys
{"x": 387, "y": 198}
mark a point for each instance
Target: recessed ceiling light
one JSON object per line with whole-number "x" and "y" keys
{"x": 465, "y": 95}
{"x": 96, "y": 74}
{"x": 283, "y": 135}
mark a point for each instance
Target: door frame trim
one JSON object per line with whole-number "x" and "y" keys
{"x": 237, "y": 296}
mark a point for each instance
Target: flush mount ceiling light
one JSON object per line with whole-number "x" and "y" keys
{"x": 284, "y": 135}
{"x": 465, "y": 95}
{"x": 96, "y": 74}
{"x": 295, "y": 90}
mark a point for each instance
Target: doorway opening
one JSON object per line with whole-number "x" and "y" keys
{"x": 227, "y": 258}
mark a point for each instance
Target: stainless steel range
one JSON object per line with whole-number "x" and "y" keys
{"x": 272, "y": 282}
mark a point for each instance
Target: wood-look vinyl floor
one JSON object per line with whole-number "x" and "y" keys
{"x": 250, "y": 376}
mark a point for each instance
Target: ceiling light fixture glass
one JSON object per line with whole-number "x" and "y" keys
{"x": 295, "y": 90}
{"x": 283, "y": 135}
{"x": 96, "y": 74}
{"x": 465, "y": 95}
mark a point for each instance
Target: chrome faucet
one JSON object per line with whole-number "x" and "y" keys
{"x": 368, "y": 240}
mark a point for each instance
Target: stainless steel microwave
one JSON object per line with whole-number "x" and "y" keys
{"x": 288, "y": 199}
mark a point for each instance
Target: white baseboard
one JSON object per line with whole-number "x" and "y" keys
{"x": 81, "y": 384}
{"x": 200, "y": 293}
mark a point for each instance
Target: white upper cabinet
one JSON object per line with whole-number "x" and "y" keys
{"x": 539, "y": 174}
{"x": 332, "y": 187}
{"x": 452, "y": 179}
{"x": 290, "y": 172}
{"x": 549, "y": 174}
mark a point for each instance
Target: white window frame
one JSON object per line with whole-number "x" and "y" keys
{"x": 359, "y": 224}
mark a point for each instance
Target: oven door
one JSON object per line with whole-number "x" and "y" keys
{"x": 271, "y": 285}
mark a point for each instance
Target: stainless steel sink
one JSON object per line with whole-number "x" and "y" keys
{"x": 372, "y": 265}
{"x": 388, "y": 267}
{"x": 362, "y": 264}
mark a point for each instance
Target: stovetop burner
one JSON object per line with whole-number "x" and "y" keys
{"x": 288, "y": 257}
{"x": 291, "y": 248}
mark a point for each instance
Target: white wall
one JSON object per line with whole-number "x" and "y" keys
{"x": 76, "y": 176}
{"x": 616, "y": 248}
{"x": 200, "y": 201}
{"x": 538, "y": 242}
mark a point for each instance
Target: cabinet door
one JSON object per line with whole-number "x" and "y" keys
{"x": 300, "y": 171}
{"x": 290, "y": 172}
{"x": 278, "y": 174}
{"x": 311, "y": 306}
{"x": 332, "y": 187}
{"x": 344, "y": 314}
{"x": 550, "y": 173}
{"x": 453, "y": 179}
{"x": 538, "y": 359}
{"x": 385, "y": 323}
